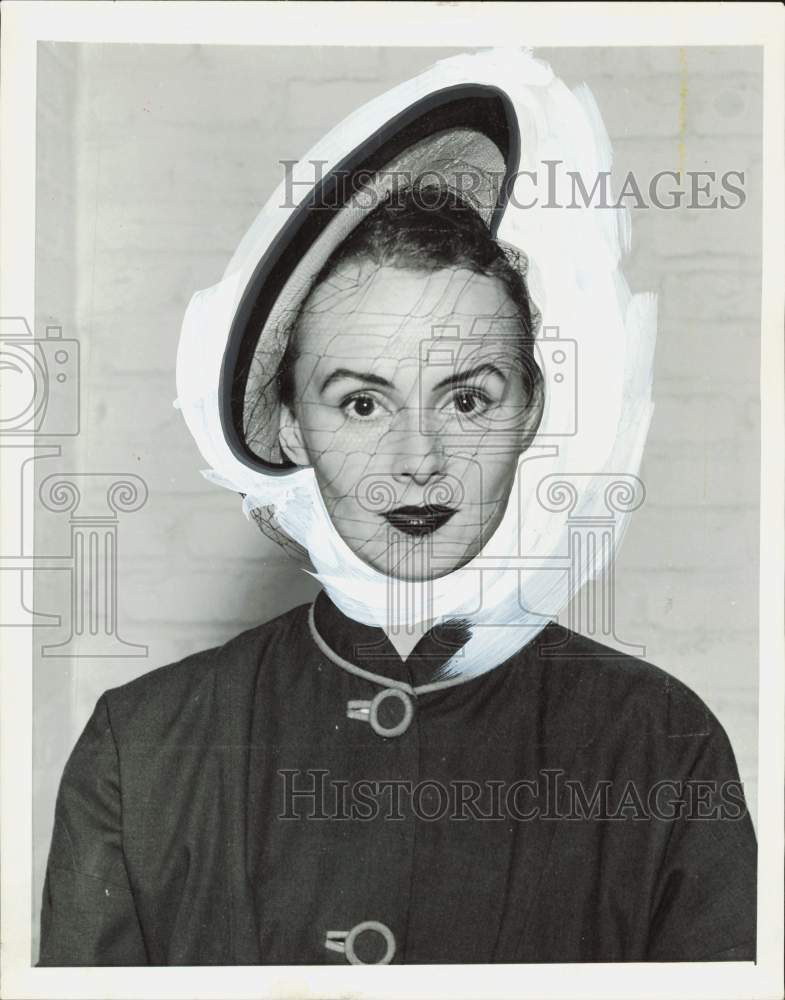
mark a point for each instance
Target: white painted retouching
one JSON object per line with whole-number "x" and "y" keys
{"x": 576, "y": 282}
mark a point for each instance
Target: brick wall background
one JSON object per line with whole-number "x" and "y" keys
{"x": 152, "y": 162}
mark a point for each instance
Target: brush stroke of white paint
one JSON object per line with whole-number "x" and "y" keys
{"x": 576, "y": 281}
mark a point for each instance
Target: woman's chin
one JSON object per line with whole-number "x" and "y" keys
{"x": 417, "y": 561}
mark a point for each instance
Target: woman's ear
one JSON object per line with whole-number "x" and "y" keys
{"x": 290, "y": 436}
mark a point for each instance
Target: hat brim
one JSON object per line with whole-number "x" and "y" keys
{"x": 319, "y": 223}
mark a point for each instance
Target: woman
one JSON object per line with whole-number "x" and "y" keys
{"x": 422, "y": 766}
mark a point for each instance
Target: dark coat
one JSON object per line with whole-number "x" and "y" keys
{"x": 180, "y": 837}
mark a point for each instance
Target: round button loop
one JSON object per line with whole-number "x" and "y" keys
{"x": 399, "y": 727}
{"x": 379, "y": 928}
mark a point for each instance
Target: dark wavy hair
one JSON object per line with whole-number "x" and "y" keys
{"x": 407, "y": 232}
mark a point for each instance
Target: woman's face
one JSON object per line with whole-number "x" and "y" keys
{"x": 412, "y": 406}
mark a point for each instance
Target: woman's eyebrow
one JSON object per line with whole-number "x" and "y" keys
{"x": 340, "y": 373}
{"x": 484, "y": 369}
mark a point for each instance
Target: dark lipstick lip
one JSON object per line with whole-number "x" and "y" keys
{"x": 418, "y": 521}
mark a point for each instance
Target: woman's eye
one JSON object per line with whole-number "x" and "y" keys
{"x": 362, "y": 407}
{"x": 470, "y": 401}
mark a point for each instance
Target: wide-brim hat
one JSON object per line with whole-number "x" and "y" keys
{"x": 457, "y": 140}
{"x": 450, "y": 129}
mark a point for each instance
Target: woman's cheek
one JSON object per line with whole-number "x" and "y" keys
{"x": 329, "y": 435}
{"x": 349, "y": 436}
{"x": 348, "y": 484}
{"x": 318, "y": 422}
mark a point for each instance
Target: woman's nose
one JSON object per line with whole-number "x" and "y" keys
{"x": 418, "y": 448}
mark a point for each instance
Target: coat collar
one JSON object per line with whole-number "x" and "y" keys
{"x": 367, "y": 651}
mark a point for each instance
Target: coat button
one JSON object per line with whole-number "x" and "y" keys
{"x": 382, "y": 713}
{"x": 345, "y": 941}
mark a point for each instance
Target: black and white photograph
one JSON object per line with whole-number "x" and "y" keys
{"x": 392, "y": 500}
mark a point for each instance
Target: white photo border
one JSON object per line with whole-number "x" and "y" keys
{"x": 390, "y": 24}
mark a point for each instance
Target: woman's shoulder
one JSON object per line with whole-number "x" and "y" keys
{"x": 620, "y": 688}
{"x": 203, "y": 682}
